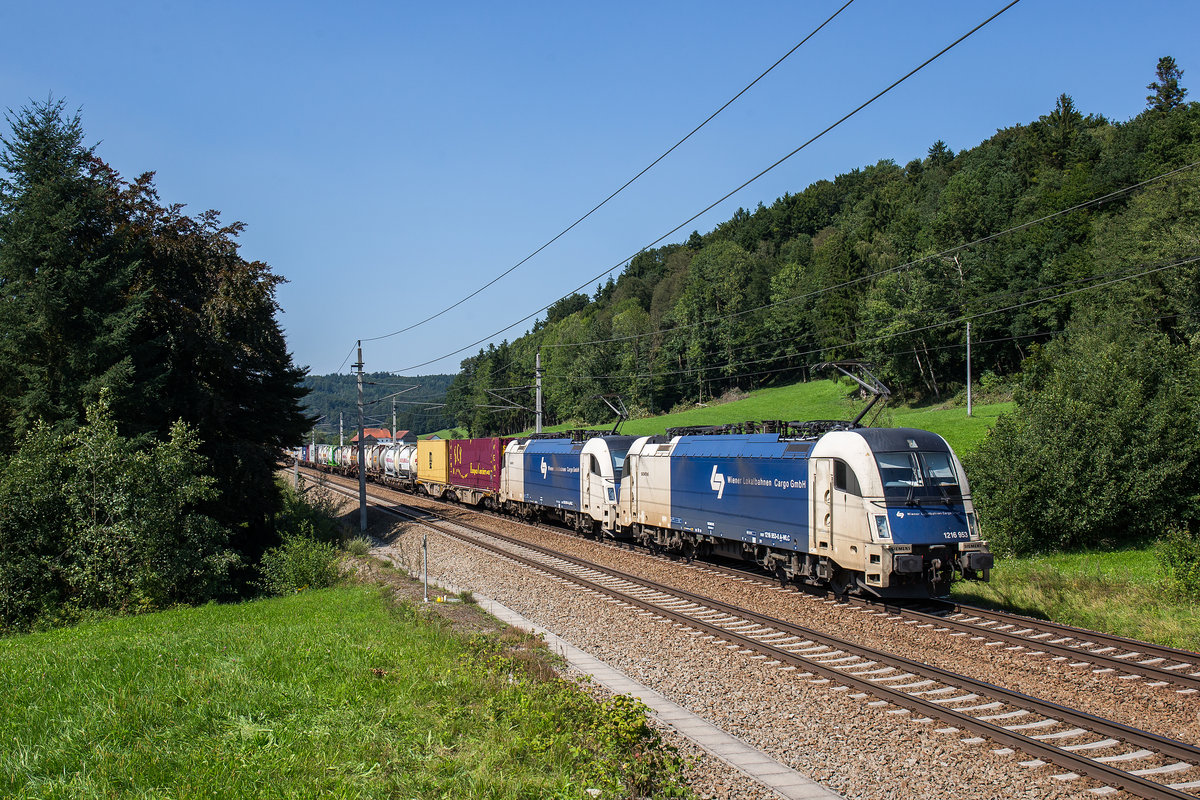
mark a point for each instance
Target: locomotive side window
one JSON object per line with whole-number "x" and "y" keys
{"x": 844, "y": 478}
{"x": 595, "y": 466}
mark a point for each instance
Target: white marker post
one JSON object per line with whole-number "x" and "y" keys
{"x": 425, "y": 562}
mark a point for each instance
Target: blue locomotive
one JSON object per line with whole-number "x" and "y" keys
{"x": 879, "y": 511}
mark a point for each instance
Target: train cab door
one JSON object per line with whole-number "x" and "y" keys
{"x": 822, "y": 507}
{"x": 585, "y": 483}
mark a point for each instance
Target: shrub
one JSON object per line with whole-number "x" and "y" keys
{"x": 1101, "y": 446}
{"x": 1178, "y": 554}
{"x": 358, "y": 546}
{"x": 93, "y": 520}
{"x": 310, "y": 511}
{"x": 300, "y": 563}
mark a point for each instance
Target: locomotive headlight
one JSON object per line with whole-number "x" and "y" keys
{"x": 973, "y": 526}
{"x": 881, "y": 528}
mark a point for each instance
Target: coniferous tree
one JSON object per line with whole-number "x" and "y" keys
{"x": 101, "y": 286}
{"x": 66, "y": 306}
{"x": 1168, "y": 93}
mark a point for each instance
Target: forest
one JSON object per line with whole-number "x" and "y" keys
{"x": 146, "y": 389}
{"x": 1069, "y": 244}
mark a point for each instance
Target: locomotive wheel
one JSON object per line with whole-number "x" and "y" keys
{"x": 840, "y": 582}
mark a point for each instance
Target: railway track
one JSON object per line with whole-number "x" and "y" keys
{"x": 1076, "y": 648}
{"x": 1117, "y": 756}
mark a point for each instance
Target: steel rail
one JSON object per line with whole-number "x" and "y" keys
{"x": 1083, "y": 635}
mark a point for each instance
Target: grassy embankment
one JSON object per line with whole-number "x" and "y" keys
{"x": 332, "y": 693}
{"x": 815, "y": 400}
{"x": 1120, "y": 592}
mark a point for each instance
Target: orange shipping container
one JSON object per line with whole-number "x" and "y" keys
{"x": 431, "y": 461}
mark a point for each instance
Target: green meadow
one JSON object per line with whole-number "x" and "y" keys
{"x": 333, "y": 693}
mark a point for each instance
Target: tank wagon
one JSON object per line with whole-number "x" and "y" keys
{"x": 879, "y": 511}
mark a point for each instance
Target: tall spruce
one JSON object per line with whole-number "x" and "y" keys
{"x": 65, "y": 303}
{"x": 1168, "y": 93}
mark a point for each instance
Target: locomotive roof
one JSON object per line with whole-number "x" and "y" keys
{"x": 882, "y": 440}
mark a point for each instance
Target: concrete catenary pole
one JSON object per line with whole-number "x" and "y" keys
{"x": 968, "y": 368}
{"x": 362, "y": 463}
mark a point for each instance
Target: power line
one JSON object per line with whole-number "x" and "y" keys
{"x": 959, "y": 346}
{"x": 890, "y": 270}
{"x": 344, "y": 360}
{"x": 624, "y": 186}
{"x": 849, "y": 329}
{"x": 729, "y": 194}
{"x": 885, "y": 337}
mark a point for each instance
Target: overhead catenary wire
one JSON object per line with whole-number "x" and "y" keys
{"x": 890, "y": 270}
{"x": 885, "y": 337}
{"x": 934, "y": 348}
{"x": 729, "y": 194}
{"x": 849, "y": 329}
{"x": 881, "y": 273}
{"x": 622, "y": 188}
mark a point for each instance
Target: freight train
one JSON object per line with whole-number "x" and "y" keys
{"x": 885, "y": 512}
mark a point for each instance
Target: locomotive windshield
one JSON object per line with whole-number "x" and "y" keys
{"x": 914, "y": 474}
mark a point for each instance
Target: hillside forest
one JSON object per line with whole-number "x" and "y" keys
{"x": 1070, "y": 244}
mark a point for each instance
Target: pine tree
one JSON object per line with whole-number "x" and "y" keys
{"x": 1168, "y": 93}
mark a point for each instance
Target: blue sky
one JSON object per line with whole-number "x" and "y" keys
{"x": 389, "y": 158}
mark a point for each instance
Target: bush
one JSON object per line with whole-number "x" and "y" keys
{"x": 96, "y": 521}
{"x": 1178, "y": 554}
{"x": 358, "y": 546}
{"x": 1101, "y": 447}
{"x": 300, "y": 563}
{"x": 309, "y": 511}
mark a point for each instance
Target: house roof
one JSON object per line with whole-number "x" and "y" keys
{"x": 373, "y": 433}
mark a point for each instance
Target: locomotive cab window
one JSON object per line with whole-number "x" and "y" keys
{"x": 595, "y": 465}
{"x": 917, "y": 473}
{"x": 844, "y": 479}
{"x": 940, "y": 471}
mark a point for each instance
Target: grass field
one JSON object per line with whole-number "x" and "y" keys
{"x": 333, "y": 693}
{"x": 1120, "y": 592}
{"x": 827, "y": 400}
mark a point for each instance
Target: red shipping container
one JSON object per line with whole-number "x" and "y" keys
{"x": 475, "y": 463}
